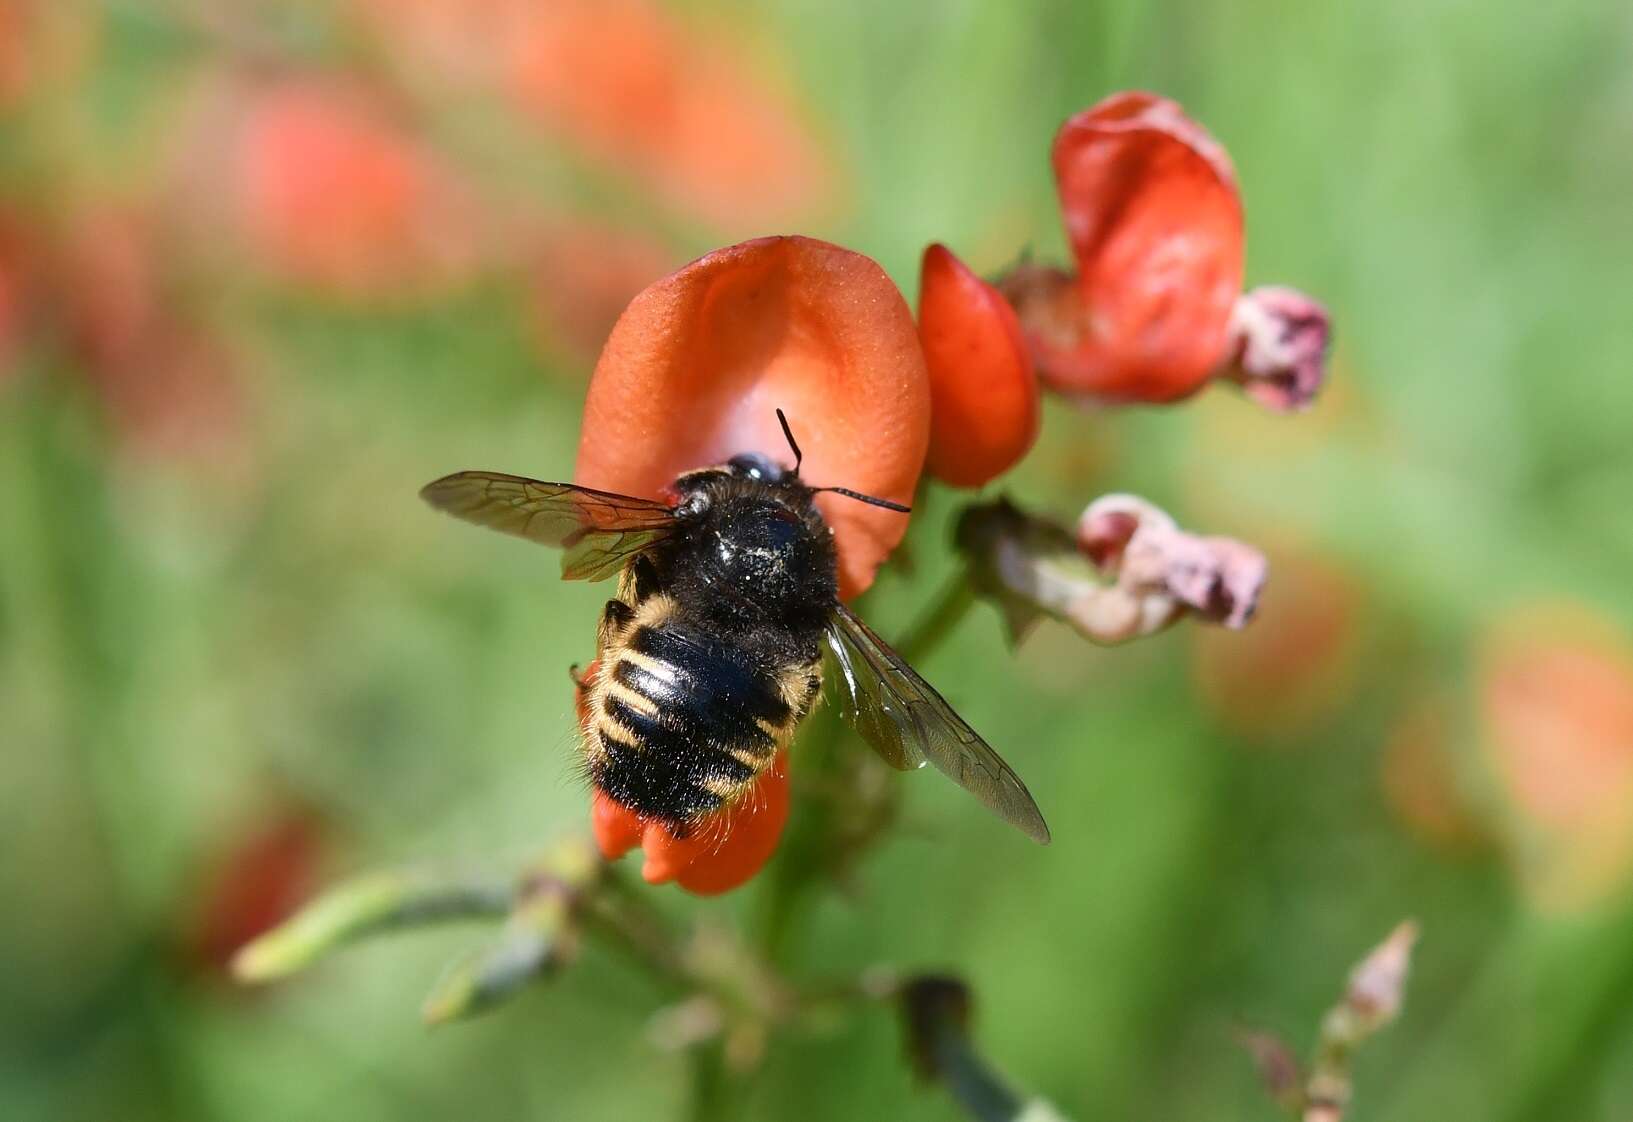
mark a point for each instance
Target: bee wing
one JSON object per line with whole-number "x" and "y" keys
{"x": 599, "y": 530}
{"x": 910, "y": 724}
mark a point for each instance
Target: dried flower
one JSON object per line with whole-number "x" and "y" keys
{"x": 985, "y": 411}
{"x": 1128, "y": 572}
{"x": 1278, "y": 346}
{"x": 1161, "y": 568}
{"x": 1152, "y": 310}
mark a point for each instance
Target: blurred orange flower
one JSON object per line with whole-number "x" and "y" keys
{"x": 167, "y": 383}
{"x": 258, "y": 879}
{"x": 1155, "y": 307}
{"x": 12, "y": 298}
{"x": 14, "y": 50}
{"x": 1421, "y": 780}
{"x": 1556, "y": 702}
{"x": 684, "y": 111}
{"x": 329, "y": 190}
{"x": 696, "y": 114}
{"x": 986, "y": 411}
{"x": 585, "y": 273}
{"x": 698, "y": 363}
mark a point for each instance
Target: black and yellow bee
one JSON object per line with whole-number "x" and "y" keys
{"x": 712, "y": 652}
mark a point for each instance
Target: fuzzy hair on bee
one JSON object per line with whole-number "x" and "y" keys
{"x": 711, "y": 653}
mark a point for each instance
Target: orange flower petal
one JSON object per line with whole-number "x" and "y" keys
{"x": 699, "y": 362}
{"x": 617, "y": 829}
{"x": 1155, "y": 223}
{"x": 1556, "y": 705}
{"x": 984, "y": 395}
{"x": 725, "y": 851}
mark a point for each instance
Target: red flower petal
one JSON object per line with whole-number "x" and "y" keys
{"x": 723, "y": 854}
{"x": 1155, "y": 223}
{"x": 617, "y": 829}
{"x": 699, "y": 362}
{"x": 719, "y": 854}
{"x": 984, "y": 395}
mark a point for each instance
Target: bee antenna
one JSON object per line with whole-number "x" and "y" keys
{"x": 789, "y": 433}
{"x": 869, "y": 499}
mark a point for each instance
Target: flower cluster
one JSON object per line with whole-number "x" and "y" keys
{"x": 695, "y": 368}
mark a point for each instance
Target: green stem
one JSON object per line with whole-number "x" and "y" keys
{"x": 810, "y": 845}
{"x": 715, "y": 1092}
{"x": 948, "y": 610}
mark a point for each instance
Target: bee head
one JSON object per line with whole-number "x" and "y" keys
{"x": 762, "y": 468}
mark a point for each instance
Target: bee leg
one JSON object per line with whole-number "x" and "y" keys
{"x": 616, "y": 616}
{"x": 642, "y": 576}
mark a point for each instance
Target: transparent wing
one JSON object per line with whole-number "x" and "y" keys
{"x": 910, "y": 724}
{"x": 600, "y": 531}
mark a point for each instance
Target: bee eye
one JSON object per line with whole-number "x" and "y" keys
{"x": 753, "y": 465}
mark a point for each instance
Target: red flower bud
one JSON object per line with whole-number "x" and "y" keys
{"x": 699, "y": 362}
{"x": 984, "y": 395}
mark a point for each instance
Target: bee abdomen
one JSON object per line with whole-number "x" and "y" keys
{"x": 687, "y": 722}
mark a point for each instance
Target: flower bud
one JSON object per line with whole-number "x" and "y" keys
{"x": 1278, "y": 341}
{"x": 1128, "y": 572}
{"x": 1218, "y": 579}
{"x": 984, "y": 411}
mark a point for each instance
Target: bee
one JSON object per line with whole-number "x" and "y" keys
{"x": 712, "y": 651}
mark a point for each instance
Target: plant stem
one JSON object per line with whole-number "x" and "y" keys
{"x": 715, "y": 1096}
{"x": 945, "y": 613}
{"x": 811, "y": 845}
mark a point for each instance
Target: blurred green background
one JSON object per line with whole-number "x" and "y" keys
{"x": 238, "y": 659}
